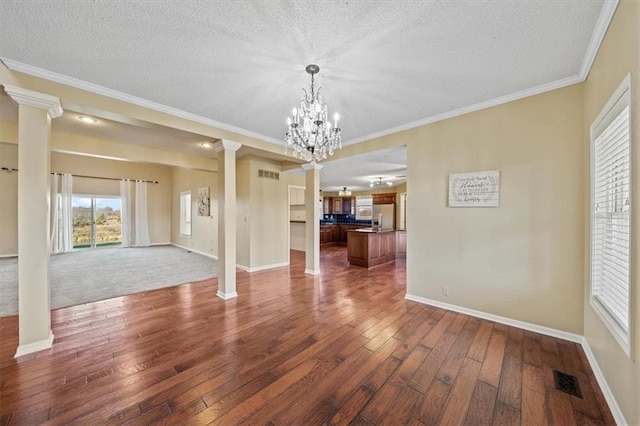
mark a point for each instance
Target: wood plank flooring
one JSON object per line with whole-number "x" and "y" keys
{"x": 342, "y": 348}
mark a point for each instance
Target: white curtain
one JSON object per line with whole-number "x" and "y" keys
{"x": 141, "y": 228}
{"x": 61, "y": 214}
{"x": 135, "y": 227}
{"x": 126, "y": 216}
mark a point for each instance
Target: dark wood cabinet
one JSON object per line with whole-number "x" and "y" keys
{"x": 384, "y": 198}
{"x": 336, "y": 205}
{"x": 327, "y": 234}
{"x": 349, "y": 205}
{"x": 342, "y": 233}
{"x": 370, "y": 249}
{"x": 326, "y": 205}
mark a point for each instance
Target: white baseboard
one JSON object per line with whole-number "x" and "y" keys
{"x": 312, "y": 271}
{"x": 8, "y": 255}
{"x": 606, "y": 391}
{"x": 162, "y": 244}
{"x": 502, "y": 320}
{"x": 604, "y": 386}
{"x": 265, "y": 267}
{"x": 195, "y": 251}
{"x": 261, "y": 268}
{"x": 226, "y": 296}
{"x": 38, "y": 346}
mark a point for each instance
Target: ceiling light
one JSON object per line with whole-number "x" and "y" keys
{"x": 310, "y": 134}
{"x": 379, "y": 181}
{"x": 344, "y": 192}
{"x": 206, "y": 145}
{"x": 86, "y": 119}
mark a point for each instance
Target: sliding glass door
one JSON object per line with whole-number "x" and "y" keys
{"x": 96, "y": 221}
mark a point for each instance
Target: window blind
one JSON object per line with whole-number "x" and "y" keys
{"x": 611, "y": 210}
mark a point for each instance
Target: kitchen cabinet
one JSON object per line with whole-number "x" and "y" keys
{"x": 343, "y": 231}
{"x": 371, "y": 248}
{"x": 327, "y": 234}
{"x": 349, "y": 205}
{"x": 296, "y": 196}
{"x": 336, "y": 205}
{"x": 384, "y": 198}
{"x": 326, "y": 205}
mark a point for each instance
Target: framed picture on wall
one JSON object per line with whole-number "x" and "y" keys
{"x": 203, "y": 202}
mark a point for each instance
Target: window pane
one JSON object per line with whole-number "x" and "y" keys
{"x": 81, "y": 207}
{"x": 611, "y": 214}
{"x": 108, "y": 222}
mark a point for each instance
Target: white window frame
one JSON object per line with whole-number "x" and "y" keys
{"x": 185, "y": 213}
{"x": 620, "y": 100}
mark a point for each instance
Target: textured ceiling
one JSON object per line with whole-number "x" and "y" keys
{"x": 384, "y": 64}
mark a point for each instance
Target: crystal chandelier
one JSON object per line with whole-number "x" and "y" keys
{"x": 344, "y": 192}
{"x": 310, "y": 135}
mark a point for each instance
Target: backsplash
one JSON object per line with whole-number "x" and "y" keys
{"x": 343, "y": 218}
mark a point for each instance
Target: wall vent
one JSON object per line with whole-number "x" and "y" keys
{"x": 268, "y": 174}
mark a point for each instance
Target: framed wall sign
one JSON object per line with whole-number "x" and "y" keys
{"x": 475, "y": 189}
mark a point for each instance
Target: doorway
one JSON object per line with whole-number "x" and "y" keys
{"x": 96, "y": 221}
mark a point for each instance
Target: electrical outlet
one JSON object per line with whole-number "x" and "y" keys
{"x": 445, "y": 291}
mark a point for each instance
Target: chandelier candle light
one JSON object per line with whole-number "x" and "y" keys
{"x": 311, "y": 136}
{"x": 344, "y": 192}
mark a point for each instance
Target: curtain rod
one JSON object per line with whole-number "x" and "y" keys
{"x": 10, "y": 169}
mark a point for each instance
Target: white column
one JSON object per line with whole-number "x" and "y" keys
{"x": 226, "y": 218}
{"x": 35, "y": 112}
{"x": 312, "y": 194}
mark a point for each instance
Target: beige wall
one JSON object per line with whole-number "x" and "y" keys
{"x": 8, "y": 200}
{"x": 204, "y": 229}
{"x": 523, "y": 260}
{"x": 158, "y": 195}
{"x": 262, "y": 227}
{"x": 243, "y": 212}
{"x": 269, "y": 226}
{"x": 619, "y": 55}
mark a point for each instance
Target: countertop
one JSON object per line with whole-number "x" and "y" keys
{"x": 372, "y": 230}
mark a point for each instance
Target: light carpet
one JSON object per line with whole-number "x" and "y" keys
{"x": 96, "y": 274}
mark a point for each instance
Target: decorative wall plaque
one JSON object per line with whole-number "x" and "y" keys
{"x": 203, "y": 201}
{"x": 476, "y": 189}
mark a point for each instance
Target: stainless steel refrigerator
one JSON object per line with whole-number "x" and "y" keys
{"x": 383, "y": 216}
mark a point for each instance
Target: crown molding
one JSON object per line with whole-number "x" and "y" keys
{"x": 100, "y": 90}
{"x": 35, "y": 99}
{"x": 226, "y": 145}
{"x": 558, "y": 84}
{"x": 606, "y": 15}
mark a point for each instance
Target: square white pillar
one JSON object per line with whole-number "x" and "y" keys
{"x": 35, "y": 112}
{"x": 227, "y": 218}
{"x": 312, "y": 194}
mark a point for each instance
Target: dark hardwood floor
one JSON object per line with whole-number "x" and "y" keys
{"x": 345, "y": 347}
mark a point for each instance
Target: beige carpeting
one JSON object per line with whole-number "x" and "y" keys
{"x": 96, "y": 274}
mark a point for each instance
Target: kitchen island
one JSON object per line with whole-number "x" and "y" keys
{"x": 369, "y": 247}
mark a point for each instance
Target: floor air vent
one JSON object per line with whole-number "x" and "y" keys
{"x": 567, "y": 383}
